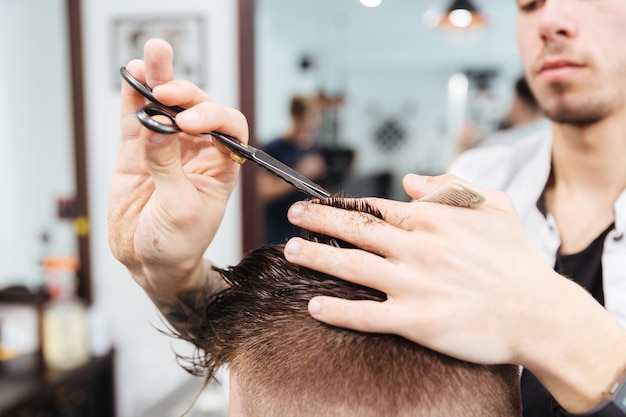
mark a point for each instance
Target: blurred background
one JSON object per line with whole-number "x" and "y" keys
{"x": 400, "y": 84}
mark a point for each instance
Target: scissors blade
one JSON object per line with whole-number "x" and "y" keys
{"x": 290, "y": 175}
{"x": 272, "y": 164}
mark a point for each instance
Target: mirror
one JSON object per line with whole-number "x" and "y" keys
{"x": 406, "y": 88}
{"x": 42, "y": 169}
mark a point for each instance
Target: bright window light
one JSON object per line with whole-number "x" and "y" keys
{"x": 371, "y": 3}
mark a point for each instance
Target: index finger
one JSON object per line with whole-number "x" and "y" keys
{"x": 379, "y": 236}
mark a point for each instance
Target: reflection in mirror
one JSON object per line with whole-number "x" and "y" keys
{"x": 403, "y": 90}
{"x": 41, "y": 204}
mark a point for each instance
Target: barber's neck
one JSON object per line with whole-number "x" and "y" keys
{"x": 591, "y": 157}
{"x": 588, "y": 175}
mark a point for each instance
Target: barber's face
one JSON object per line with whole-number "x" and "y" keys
{"x": 574, "y": 57}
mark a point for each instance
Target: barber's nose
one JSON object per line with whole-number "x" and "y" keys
{"x": 557, "y": 20}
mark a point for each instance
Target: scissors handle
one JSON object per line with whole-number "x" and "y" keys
{"x": 239, "y": 152}
{"x": 145, "y": 90}
{"x": 156, "y": 108}
{"x": 146, "y": 114}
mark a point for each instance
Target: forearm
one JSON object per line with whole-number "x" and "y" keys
{"x": 182, "y": 301}
{"x": 582, "y": 351}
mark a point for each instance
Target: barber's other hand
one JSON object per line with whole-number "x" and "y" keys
{"x": 447, "y": 271}
{"x": 467, "y": 283}
{"x": 169, "y": 192}
{"x": 458, "y": 280}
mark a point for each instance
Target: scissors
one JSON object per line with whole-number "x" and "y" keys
{"x": 239, "y": 152}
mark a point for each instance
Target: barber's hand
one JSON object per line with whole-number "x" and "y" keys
{"x": 467, "y": 283}
{"x": 452, "y": 275}
{"x": 169, "y": 192}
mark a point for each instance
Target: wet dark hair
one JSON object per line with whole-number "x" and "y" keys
{"x": 288, "y": 364}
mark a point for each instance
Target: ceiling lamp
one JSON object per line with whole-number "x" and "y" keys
{"x": 371, "y": 3}
{"x": 462, "y": 14}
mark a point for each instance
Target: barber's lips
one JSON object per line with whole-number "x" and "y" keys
{"x": 558, "y": 70}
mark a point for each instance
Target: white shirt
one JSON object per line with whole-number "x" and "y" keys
{"x": 517, "y": 133}
{"x": 522, "y": 170}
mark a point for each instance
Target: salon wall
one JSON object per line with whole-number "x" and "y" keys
{"x": 146, "y": 367}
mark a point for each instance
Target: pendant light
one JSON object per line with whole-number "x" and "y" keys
{"x": 462, "y": 14}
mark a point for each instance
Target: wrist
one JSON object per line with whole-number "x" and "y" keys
{"x": 165, "y": 281}
{"x": 614, "y": 400}
{"x": 580, "y": 351}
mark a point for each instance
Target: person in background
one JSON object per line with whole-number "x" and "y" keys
{"x": 297, "y": 148}
{"x": 284, "y": 363}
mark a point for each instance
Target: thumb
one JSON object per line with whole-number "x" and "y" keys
{"x": 446, "y": 189}
{"x": 418, "y": 186}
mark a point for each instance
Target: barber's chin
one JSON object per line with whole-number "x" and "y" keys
{"x": 575, "y": 115}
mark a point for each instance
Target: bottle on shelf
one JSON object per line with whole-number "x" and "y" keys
{"x": 65, "y": 338}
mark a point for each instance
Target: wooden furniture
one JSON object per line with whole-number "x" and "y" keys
{"x": 29, "y": 390}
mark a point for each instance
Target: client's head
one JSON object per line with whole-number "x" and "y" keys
{"x": 285, "y": 363}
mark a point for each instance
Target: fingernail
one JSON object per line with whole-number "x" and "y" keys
{"x": 296, "y": 210}
{"x": 190, "y": 116}
{"x": 315, "y": 306}
{"x": 417, "y": 180}
{"x": 292, "y": 247}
